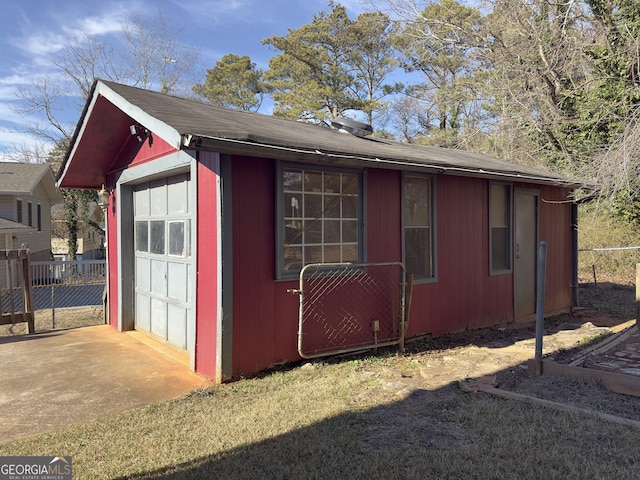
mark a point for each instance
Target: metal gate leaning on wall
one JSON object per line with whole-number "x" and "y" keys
{"x": 347, "y": 307}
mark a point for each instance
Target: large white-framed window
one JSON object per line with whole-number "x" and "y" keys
{"x": 319, "y": 217}
{"x": 500, "y": 227}
{"x": 418, "y": 226}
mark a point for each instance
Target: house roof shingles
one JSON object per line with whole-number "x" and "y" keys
{"x": 193, "y": 124}
{"x": 23, "y": 178}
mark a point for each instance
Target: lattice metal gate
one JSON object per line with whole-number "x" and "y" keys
{"x": 349, "y": 307}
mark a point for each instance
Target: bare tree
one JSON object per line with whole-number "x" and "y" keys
{"x": 153, "y": 59}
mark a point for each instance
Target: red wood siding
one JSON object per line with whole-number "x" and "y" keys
{"x": 555, "y": 229}
{"x": 265, "y": 315}
{"x": 136, "y": 153}
{"x": 112, "y": 260}
{"x": 465, "y": 295}
{"x": 207, "y": 264}
{"x": 384, "y": 216}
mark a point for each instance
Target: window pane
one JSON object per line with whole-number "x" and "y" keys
{"x": 313, "y": 181}
{"x": 417, "y": 197}
{"x": 176, "y": 238}
{"x": 417, "y": 217}
{"x": 498, "y": 199}
{"x": 293, "y": 205}
{"x": 350, "y": 207}
{"x": 418, "y": 251}
{"x": 312, "y": 206}
{"x": 332, "y": 231}
{"x": 142, "y": 236}
{"x": 332, "y": 183}
{"x": 331, "y": 206}
{"x": 499, "y": 248}
{"x": 157, "y": 237}
{"x": 312, "y": 254}
{"x": 292, "y": 180}
{"x": 292, "y": 258}
{"x": 350, "y": 252}
{"x": 349, "y": 231}
{"x": 500, "y": 221}
{"x": 292, "y": 232}
{"x": 313, "y": 231}
{"x": 320, "y": 215}
{"x": 349, "y": 183}
{"x": 332, "y": 254}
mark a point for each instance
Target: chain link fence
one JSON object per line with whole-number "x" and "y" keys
{"x": 350, "y": 307}
{"x": 68, "y": 294}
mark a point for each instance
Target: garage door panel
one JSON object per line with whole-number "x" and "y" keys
{"x": 158, "y": 198}
{"x": 159, "y": 317}
{"x": 177, "y": 281}
{"x": 143, "y": 312}
{"x": 141, "y": 202}
{"x": 163, "y": 262}
{"x": 143, "y": 273}
{"x": 159, "y": 277}
{"x": 177, "y": 325}
{"x": 178, "y": 194}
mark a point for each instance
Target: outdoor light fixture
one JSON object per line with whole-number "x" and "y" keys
{"x": 103, "y": 197}
{"x": 140, "y": 133}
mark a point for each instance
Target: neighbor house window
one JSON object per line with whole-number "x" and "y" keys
{"x": 30, "y": 214}
{"x": 417, "y": 211}
{"x": 320, "y": 217}
{"x": 39, "y": 217}
{"x": 19, "y": 211}
{"x": 500, "y": 227}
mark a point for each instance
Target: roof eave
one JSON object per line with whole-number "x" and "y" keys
{"x": 234, "y": 146}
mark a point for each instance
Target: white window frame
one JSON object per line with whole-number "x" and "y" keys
{"x": 285, "y": 214}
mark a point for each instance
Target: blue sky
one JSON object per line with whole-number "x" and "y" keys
{"x": 31, "y": 31}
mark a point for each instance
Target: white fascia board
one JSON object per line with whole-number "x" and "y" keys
{"x": 159, "y": 128}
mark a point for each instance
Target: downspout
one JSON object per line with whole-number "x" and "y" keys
{"x": 574, "y": 255}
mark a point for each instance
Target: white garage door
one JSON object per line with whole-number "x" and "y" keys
{"x": 163, "y": 293}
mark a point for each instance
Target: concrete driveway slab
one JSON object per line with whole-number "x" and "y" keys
{"x": 52, "y": 379}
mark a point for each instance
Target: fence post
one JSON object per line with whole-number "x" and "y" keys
{"x": 53, "y": 306}
{"x": 540, "y": 283}
{"x": 27, "y": 289}
{"x": 637, "y": 292}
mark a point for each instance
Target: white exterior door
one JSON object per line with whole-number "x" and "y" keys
{"x": 526, "y": 239}
{"x": 163, "y": 260}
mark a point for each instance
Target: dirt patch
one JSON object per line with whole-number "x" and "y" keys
{"x": 435, "y": 366}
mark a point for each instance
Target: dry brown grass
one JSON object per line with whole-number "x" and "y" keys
{"x": 347, "y": 418}
{"x": 338, "y": 420}
{"x": 48, "y": 319}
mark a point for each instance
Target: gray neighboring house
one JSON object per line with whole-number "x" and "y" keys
{"x": 27, "y": 193}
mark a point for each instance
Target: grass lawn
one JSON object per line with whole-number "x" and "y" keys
{"x": 342, "y": 419}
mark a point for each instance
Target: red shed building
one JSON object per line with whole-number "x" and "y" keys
{"x": 212, "y": 213}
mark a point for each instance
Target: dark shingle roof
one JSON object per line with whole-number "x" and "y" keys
{"x": 21, "y": 178}
{"x": 193, "y": 124}
{"x": 7, "y": 226}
